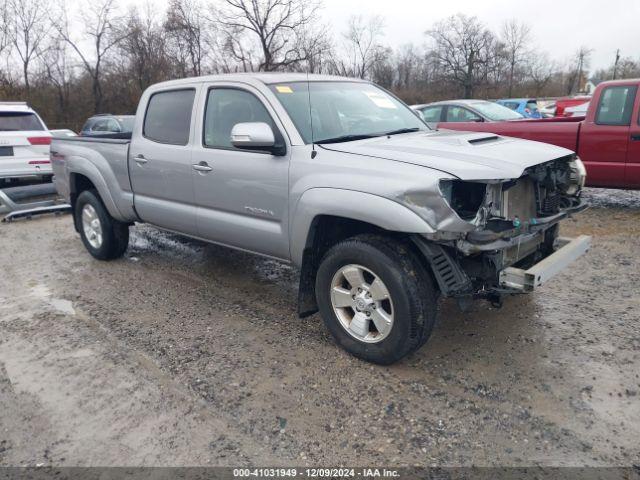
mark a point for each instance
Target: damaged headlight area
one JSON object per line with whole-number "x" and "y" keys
{"x": 464, "y": 198}
{"x": 507, "y": 207}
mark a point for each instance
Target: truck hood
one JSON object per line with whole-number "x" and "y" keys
{"x": 466, "y": 155}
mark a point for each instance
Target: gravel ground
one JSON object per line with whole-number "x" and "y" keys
{"x": 183, "y": 353}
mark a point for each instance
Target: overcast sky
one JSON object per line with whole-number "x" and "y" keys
{"x": 559, "y": 27}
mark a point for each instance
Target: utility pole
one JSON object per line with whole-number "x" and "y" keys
{"x": 615, "y": 64}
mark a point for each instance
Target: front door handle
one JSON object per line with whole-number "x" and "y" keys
{"x": 140, "y": 159}
{"x": 202, "y": 167}
{"x": 635, "y": 137}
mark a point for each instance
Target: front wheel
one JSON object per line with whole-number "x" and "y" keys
{"x": 102, "y": 235}
{"x": 376, "y": 298}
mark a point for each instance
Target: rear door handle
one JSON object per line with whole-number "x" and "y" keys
{"x": 635, "y": 137}
{"x": 140, "y": 159}
{"x": 202, "y": 167}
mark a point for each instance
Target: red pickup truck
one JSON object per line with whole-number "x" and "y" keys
{"x": 607, "y": 139}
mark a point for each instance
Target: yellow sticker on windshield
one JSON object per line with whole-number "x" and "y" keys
{"x": 284, "y": 89}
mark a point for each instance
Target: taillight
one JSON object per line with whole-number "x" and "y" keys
{"x": 39, "y": 140}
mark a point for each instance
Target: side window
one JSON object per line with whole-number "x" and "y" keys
{"x": 168, "y": 117}
{"x": 100, "y": 126}
{"x": 460, "y": 114}
{"x": 88, "y": 126}
{"x": 511, "y": 105}
{"x": 431, "y": 114}
{"x": 113, "y": 126}
{"x": 225, "y": 108}
{"x": 616, "y": 105}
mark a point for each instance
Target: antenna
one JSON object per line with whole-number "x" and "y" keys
{"x": 313, "y": 144}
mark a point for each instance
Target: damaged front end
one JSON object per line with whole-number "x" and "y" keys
{"x": 509, "y": 225}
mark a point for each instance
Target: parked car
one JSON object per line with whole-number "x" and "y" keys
{"x": 568, "y": 102}
{"x": 527, "y": 107}
{"x": 547, "y": 108}
{"x": 342, "y": 179}
{"x": 465, "y": 111}
{"x": 105, "y": 124}
{"x": 607, "y": 139}
{"x": 577, "y": 111}
{"x": 24, "y": 142}
{"x": 63, "y": 132}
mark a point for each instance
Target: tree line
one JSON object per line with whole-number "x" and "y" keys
{"x": 102, "y": 59}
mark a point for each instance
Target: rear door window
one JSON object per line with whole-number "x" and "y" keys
{"x": 616, "y": 105}
{"x": 168, "y": 117}
{"x": 431, "y": 114}
{"x": 19, "y": 121}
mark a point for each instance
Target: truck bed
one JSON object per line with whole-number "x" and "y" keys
{"x": 560, "y": 132}
{"x": 84, "y": 155}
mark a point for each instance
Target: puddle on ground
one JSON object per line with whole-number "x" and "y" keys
{"x": 59, "y": 304}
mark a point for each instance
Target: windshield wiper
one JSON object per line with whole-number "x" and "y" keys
{"x": 403, "y": 130}
{"x": 347, "y": 138}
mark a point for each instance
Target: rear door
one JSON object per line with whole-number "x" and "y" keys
{"x": 24, "y": 144}
{"x": 242, "y": 196}
{"x": 160, "y": 160}
{"x": 604, "y": 136}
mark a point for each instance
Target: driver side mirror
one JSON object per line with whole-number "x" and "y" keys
{"x": 255, "y": 136}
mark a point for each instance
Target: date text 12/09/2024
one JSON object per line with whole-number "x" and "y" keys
{"x": 315, "y": 472}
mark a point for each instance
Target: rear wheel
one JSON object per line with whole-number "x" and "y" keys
{"x": 103, "y": 236}
{"x": 376, "y": 298}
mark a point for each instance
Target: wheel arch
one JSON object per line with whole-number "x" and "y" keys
{"x": 326, "y": 216}
{"x": 88, "y": 177}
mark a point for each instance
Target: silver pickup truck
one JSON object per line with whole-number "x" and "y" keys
{"x": 381, "y": 214}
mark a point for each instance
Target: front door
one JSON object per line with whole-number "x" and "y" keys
{"x": 242, "y": 196}
{"x": 160, "y": 162}
{"x": 604, "y": 138}
{"x": 632, "y": 171}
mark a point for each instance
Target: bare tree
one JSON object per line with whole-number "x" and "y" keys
{"x": 56, "y": 71}
{"x": 361, "y": 44}
{"x": 103, "y": 27}
{"x": 5, "y": 24}
{"x": 464, "y": 48}
{"x": 540, "y": 70}
{"x": 581, "y": 59}
{"x": 28, "y": 32}
{"x": 276, "y": 26}
{"x": 515, "y": 39}
{"x": 186, "y": 27}
{"x": 145, "y": 49}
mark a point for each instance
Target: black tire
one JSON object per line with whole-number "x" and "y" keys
{"x": 410, "y": 286}
{"x": 115, "y": 234}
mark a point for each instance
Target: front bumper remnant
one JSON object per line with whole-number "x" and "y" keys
{"x": 528, "y": 280}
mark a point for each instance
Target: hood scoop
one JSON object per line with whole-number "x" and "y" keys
{"x": 482, "y": 140}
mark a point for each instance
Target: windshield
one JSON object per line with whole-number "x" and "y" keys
{"x": 19, "y": 121}
{"x": 495, "y": 111}
{"x": 343, "y": 111}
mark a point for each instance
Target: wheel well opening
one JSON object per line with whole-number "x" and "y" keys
{"x": 79, "y": 183}
{"x": 325, "y": 232}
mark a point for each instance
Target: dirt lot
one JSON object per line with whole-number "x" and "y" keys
{"x": 189, "y": 354}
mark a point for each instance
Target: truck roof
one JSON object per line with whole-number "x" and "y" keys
{"x": 260, "y": 77}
